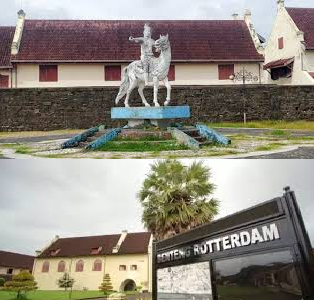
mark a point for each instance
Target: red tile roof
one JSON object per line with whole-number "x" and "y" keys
{"x": 16, "y": 260}
{"x": 82, "y": 246}
{"x": 108, "y": 40}
{"x": 279, "y": 63}
{"x": 135, "y": 243}
{"x": 304, "y": 19}
{"x": 6, "y": 38}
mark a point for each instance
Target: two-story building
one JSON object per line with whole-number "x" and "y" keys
{"x": 126, "y": 257}
{"x": 289, "y": 53}
{"x": 65, "y": 53}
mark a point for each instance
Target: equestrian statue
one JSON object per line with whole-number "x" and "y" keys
{"x": 148, "y": 69}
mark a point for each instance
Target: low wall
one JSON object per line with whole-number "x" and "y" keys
{"x": 60, "y": 108}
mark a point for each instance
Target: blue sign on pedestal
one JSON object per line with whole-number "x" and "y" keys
{"x": 151, "y": 113}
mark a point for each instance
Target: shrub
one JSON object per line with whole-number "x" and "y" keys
{"x": 21, "y": 284}
{"x": 106, "y": 285}
{"x": 2, "y": 281}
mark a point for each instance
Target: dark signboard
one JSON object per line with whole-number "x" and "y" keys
{"x": 260, "y": 253}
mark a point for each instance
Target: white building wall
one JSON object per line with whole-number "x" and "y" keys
{"x": 74, "y": 75}
{"x": 286, "y": 28}
{"x": 89, "y": 279}
{"x": 309, "y": 60}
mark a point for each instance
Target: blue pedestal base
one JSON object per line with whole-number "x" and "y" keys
{"x": 158, "y": 116}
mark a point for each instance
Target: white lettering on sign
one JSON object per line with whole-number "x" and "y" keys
{"x": 244, "y": 238}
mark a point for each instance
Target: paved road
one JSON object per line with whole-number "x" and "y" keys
{"x": 36, "y": 139}
{"x": 300, "y": 153}
{"x": 261, "y": 132}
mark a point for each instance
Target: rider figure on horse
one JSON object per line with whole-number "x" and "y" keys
{"x": 147, "y": 55}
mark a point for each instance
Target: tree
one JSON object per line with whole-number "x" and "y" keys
{"x": 2, "y": 281}
{"x": 106, "y": 285}
{"x": 66, "y": 281}
{"x": 21, "y": 284}
{"x": 175, "y": 198}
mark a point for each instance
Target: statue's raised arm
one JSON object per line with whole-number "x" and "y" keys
{"x": 138, "y": 40}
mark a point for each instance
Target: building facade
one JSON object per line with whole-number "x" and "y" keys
{"x": 125, "y": 257}
{"x": 13, "y": 263}
{"x": 92, "y": 53}
{"x": 289, "y": 54}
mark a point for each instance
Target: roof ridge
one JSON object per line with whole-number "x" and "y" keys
{"x": 130, "y": 20}
{"x": 101, "y": 235}
{"x": 16, "y": 253}
{"x": 294, "y": 7}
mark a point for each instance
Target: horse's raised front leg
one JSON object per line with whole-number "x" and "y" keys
{"x": 140, "y": 91}
{"x": 156, "y": 87}
{"x": 168, "y": 86}
{"x": 130, "y": 89}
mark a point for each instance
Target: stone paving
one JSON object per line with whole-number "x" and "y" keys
{"x": 300, "y": 153}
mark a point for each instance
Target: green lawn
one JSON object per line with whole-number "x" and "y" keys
{"x": 302, "y": 125}
{"x": 52, "y": 295}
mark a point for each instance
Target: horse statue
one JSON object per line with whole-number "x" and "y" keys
{"x": 134, "y": 74}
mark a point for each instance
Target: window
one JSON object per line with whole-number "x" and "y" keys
{"x": 97, "y": 265}
{"x": 54, "y": 252}
{"x": 122, "y": 268}
{"x": 61, "y": 266}
{"x": 283, "y": 72}
{"x": 48, "y": 73}
{"x": 45, "y": 267}
{"x": 9, "y": 271}
{"x": 96, "y": 251}
{"x": 112, "y": 73}
{"x": 4, "y": 81}
{"x": 133, "y": 267}
{"x": 172, "y": 73}
{"x": 280, "y": 43}
{"x": 250, "y": 275}
{"x": 79, "y": 266}
{"x": 225, "y": 71}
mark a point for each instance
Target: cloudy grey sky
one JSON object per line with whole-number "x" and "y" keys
{"x": 263, "y": 11}
{"x": 40, "y": 199}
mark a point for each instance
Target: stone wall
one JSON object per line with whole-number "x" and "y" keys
{"x": 75, "y": 108}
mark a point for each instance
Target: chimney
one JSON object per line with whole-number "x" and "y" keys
{"x": 235, "y": 16}
{"x": 116, "y": 248}
{"x": 18, "y": 32}
{"x": 280, "y": 4}
{"x": 247, "y": 16}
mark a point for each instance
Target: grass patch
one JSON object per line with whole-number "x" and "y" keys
{"x": 52, "y": 295}
{"x": 297, "y": 125}
{"x": 23, "y": 150}
{"x": 269, "y": 147}
{"x": 279, "y": 133}
{"x": 142, "y": 146}
{"x": 39, "y": 133}
{"x": 147, "y": 138}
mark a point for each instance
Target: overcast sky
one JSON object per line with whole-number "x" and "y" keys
{"x": 40, "y": 199}
{"x": 263, "y": 11}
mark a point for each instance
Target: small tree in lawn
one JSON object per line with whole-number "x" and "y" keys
{"x": 66, "y": 281}
{"x": 106, "y": 285}
{"x": 21, "y": 284}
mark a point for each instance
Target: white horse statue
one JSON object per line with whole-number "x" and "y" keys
{"x": 133, "y": 75}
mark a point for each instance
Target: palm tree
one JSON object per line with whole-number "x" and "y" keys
{"x": 175, "y": 198}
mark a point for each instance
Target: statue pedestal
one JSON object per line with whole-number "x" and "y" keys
{"x": 158, "y": 116}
